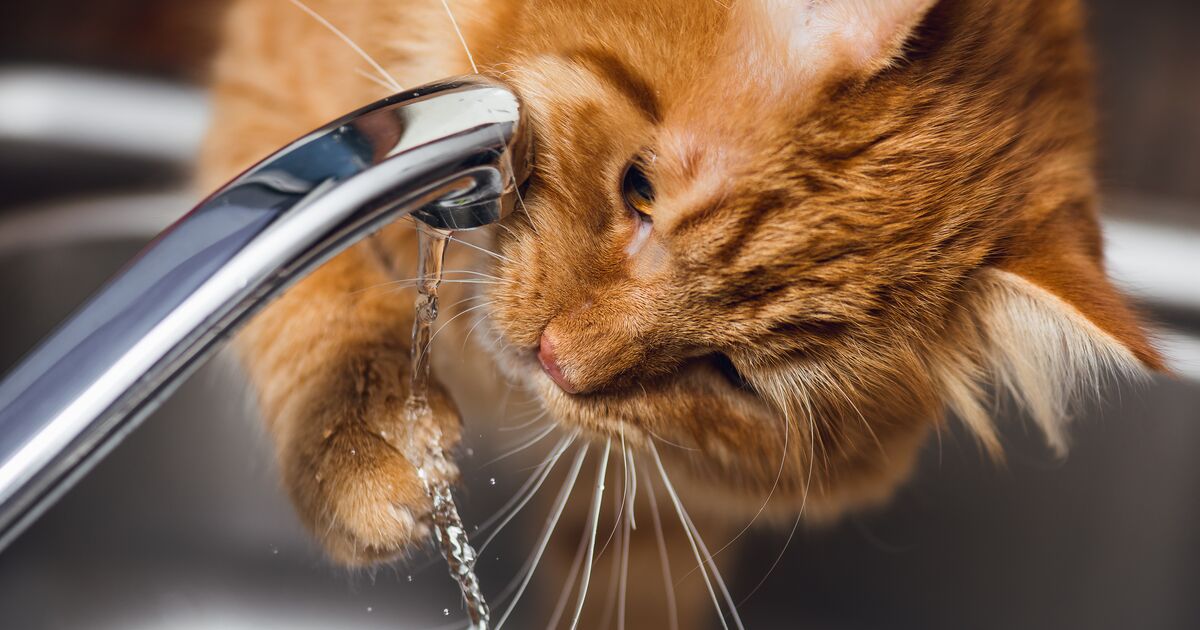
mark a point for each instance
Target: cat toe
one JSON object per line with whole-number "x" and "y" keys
{"x": 362, "y": 498}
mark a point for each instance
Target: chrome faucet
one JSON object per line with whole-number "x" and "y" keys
{"x": 451, "y": 154}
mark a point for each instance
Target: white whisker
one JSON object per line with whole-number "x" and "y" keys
{"x": 778, "y": 559}
{"x": 698, "y": 545}
{"x": 668, "y": 582}
{"x": 537, "y": 438}
{"x": 520, "y": 197}
{"x": 559, "y": 503}
{"x": 537, "y": 416}
{"x": 627, "y": 533}
{"x": 391, "y": 81}
{"x": 669, "y": 442}
{"x": 484, "y": 275}
{"x": 624, "y": 493}
{"x": 451, "y": 320}
{"x": 630, "y": 479}
{"x": 528, "y": 419}
{"x": 560, "y": 607}
{"x": 451, "y": 271}
{"x": 602, "y": 469}
{"x": 484, "y": 250}
{"x": 713, "y": 566}
{"x": 778, "y": 476}
{"x": 467, "y": 337}
{"x": 533, "y": 224}
{"x": 405, "y": 284}
{"x": 461, "y": 39}
{"x": 614, "y": 578}
{"x": 504, "y": 227}
{"x": 469, "y": 298}
{"x": 812, "y": 458}
{"x": 374, "y": 79}
{"x": 532, "y": 485}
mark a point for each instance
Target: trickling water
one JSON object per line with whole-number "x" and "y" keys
{"x": 423, "y": 446}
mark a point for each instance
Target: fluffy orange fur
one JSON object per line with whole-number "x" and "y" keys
{"x": 865, "y": 214}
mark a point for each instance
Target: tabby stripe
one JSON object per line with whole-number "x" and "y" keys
{"x": 751, "y": 221}
{"x": 609, "y": 67}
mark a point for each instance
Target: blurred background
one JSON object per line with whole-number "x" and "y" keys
{"x": 184, "y": 526}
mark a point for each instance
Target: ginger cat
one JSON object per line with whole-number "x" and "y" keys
{"x": 789, "y": 236}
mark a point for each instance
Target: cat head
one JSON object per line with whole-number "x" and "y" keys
{"x": 789, "y": 235}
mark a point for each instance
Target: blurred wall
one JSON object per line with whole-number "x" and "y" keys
{"x": 1148, "y": 59}
{"x": 171, "y": 38}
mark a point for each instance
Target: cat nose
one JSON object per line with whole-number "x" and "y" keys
{"x": 550, "y": 365}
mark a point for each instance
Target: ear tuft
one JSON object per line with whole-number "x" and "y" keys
{"x": 862, "y": 36}
{"x": 1036, "y": 347}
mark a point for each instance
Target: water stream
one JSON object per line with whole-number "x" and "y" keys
{"x": 423, "y": 444}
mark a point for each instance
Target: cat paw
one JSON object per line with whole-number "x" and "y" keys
{"x": 357, "y": 491}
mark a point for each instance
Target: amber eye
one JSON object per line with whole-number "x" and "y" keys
{"x": 637, "y": 191}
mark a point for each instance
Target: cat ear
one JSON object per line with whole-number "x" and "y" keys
{"x": 1045, "y": 329}
{"x": 858, "y": 36}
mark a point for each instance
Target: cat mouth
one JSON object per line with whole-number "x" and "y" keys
{"x": 604, "y": 412}
{"x": 643, "y": 404}
{"x": 535, "y": 363}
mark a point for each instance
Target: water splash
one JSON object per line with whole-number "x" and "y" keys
{"x": 423, "y": 446}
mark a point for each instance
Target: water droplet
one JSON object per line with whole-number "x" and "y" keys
{"x": 470, "y": 452}
{"x": 492, "y": 481}
{"x": 274, "y": 550}
{"x": 353, "y": 452}
{"x": 383, "y": 434}
{"x": 445, "y": 612}
{"x": 369, "y": 609}
{"x": 319, "y": 477}
{"x": 326, "y": 433}
{"x": 410, "y": 578}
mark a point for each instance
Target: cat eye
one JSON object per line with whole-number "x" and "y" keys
{"x": 637, "y": 191}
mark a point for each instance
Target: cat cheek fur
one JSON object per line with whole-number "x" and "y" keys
{"x": 918, "y": 325}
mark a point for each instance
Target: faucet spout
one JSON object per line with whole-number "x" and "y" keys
{"x": 452, "y": 154}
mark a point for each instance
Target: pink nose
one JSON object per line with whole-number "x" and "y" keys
{"x": 549, "y": 362}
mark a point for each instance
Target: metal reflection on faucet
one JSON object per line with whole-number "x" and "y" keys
{"x": 452, "y": 154}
